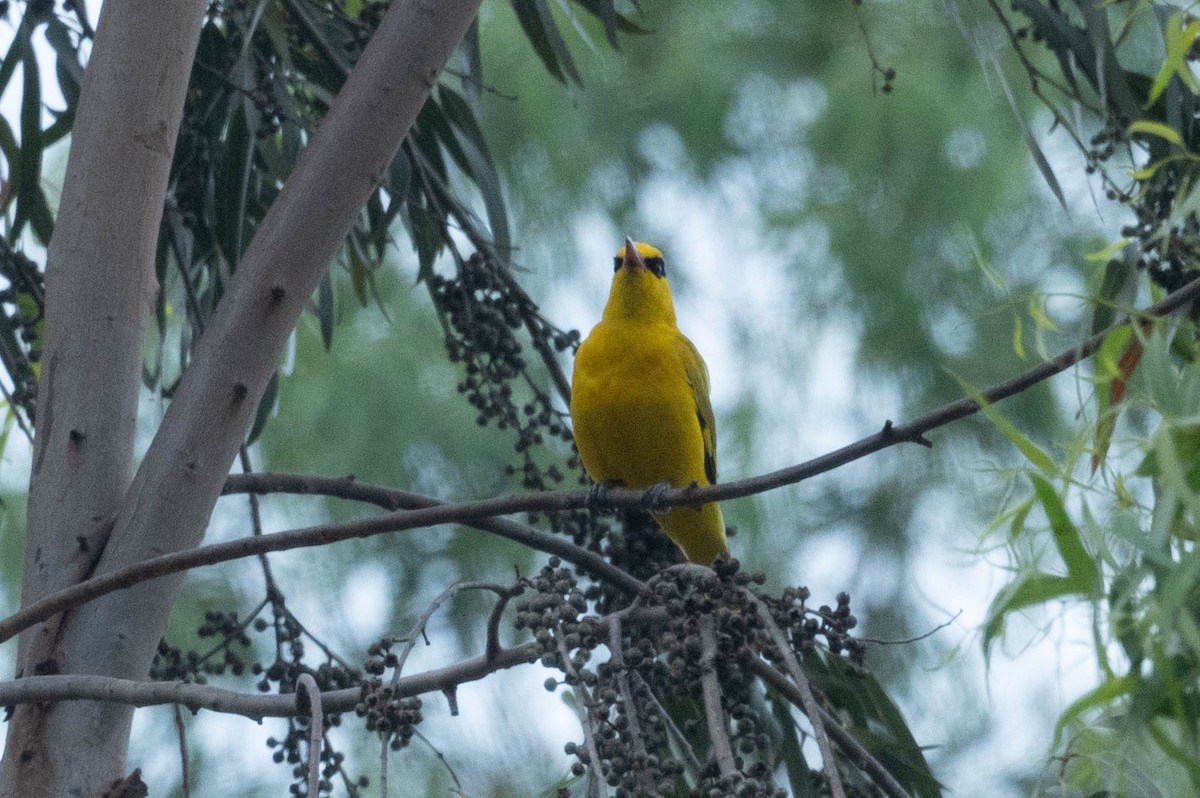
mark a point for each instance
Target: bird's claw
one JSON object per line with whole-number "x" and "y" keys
{"x": 652, "y": 499}
{"x": 597, "y": 497}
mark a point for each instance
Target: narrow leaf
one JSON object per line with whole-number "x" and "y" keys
{"x": 1033, "y": 453}
{"x": 1039, "y": 157}
{"x": 1026, "y": 590}
{"x": 1080, "y": 565}
{"x": 265, "y": 408}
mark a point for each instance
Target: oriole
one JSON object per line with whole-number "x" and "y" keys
{"x": 639, "y": 401}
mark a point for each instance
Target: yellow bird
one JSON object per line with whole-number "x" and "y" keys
{"x": 639, "y": 401}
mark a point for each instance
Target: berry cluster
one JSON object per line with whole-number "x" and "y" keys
{"x": 229, "y": 654}
{"x": 804, "y": 625}
{"x": 394, "y": 718}
{"x": 646, "y": 711}
{"x": 483, "y": 312}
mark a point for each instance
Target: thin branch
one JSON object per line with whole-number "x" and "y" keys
{"x": 308, "y": 701}
{"x": 481, "y": 514}
{"x": 617, "y": 654}
{"x": 476, "y": 514}
{"x": 676, "y": 734}
{"x": 492, "y": 646}
{"x": 181, "y": 731}
{"x": 441, "y": 758}
{"x": 809, "y": 703}
{"x": 418, "y": 628}
{"x": 256, "y": 526}
{"x": 718, "y": 732}
{"x": 880, "y": 642}
{"x": 86, "y": 687}
{"x": 634, "y": 723}
{"x": 845, "y": 741}
{"x": 583, "y": 706}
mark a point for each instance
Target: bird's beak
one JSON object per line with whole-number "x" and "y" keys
{"x": 633, "y": 259}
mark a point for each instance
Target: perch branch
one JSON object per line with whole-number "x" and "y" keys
{"x": 481, "y": 514}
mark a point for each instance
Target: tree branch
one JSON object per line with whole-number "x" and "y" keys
{"x": 481, "y": 514}
{"x": 76, "y": 687}
{"x": 844, "y": 739}
{"x": 808, "y": 701}
{"x": 714, "y": 713}
{"x": 100, "y": 287}
{"x": 86, "y": 687}
{"x": 308, "y": 702}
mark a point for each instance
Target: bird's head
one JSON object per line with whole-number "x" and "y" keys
{"x": 639, "y": 287}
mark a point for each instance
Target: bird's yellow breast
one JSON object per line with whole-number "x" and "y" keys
{"x": 633, "y": 409}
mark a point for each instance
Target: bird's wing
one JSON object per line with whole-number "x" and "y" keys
{"x": 697, "y": 377}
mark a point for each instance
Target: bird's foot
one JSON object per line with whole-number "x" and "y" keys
{"x": 652, "y": 499}
{"x": 597, "y": 498}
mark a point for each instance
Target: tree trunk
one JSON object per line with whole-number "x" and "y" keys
{"x": 78, "y": 748}
{"x": 100, "y": 287}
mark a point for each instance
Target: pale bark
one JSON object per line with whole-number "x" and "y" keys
{"x": 100, "y": 287}
{"x": 179, "y": 480}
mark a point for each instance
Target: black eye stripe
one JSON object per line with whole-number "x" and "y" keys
{"x": 655, "y": 264}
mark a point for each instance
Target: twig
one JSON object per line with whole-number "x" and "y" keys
{"x": 616, "y": 652}
{"x": 846, "y": 741}
{"x": 308, "y": 702}
{"x": 677, "y": 735}
{"x": 256, "y": 527}
{"x": 718, "y": 732}
{"x": 916, "y": 639}
{"x": 808, "y": 700}
{"x": 87, "y": 687}
{"x": 441, "y": 757}
{"x": 492, "y": 647}
{"x": 481, "y": 514}
{"x": 583, "y": 707}
{"x": 181, "y": 730}
{"x": 633, "y": 726}
{"x": 418, "y": 628}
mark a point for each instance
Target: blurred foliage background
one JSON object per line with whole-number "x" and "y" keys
{"x": 853, "y": 222}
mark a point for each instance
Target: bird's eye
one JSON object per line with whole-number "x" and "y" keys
{"x": 656, "y": 267}
{"x": 617, "y": 264}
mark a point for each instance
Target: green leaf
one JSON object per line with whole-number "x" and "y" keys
{"x": 67, "y": 66}
{"x": 1035, "y": 149}
{"x": 265, "y": 407}
{"x": 482, "y": 168}
{"x": 31, "y": 201}
{"x": 1178, "y": 39}
{"x": 233, "y": 183}
{"x": 325, "y": 309}
{"x": 1081, "y": 568}
{"x": 613, "y": 20}
{"x": 542, "y": 32}
{"x": 1105, "y": 693}
{"x": 875, "y": 721}
{"x": 1027, "y": 590}
{"x": 1158, "y": 129}
{"x": 1032, "y": 452}
{"x": 791, "y": 754}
